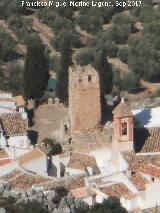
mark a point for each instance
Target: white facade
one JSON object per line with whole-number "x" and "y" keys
{"x": 38, "y": 165}
{"x": 147, "y": 117}
{"x": 74, "y": 172}
{"x": 9, "y": 167}
{"x": 19, "y": 141}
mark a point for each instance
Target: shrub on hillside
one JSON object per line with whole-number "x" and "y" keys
{"x": 15, "y": 81}
{"x": 123, "y": 54}
{"x": 119, "y": 33}
{"x": 7, "y": 45}
{"x": 129, "y": 82}
{"x": 84, "y": 57}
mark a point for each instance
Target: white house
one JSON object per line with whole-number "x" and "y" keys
{"x": 81, "y": 164}
{"x": 33, "y": 161}
{"x": 13, "y": 134}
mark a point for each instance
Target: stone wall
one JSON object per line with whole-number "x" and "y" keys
{"x": 84, "y": 98}
{"x": 92, "y": 139}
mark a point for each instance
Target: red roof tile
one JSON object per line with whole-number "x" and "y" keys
{"x": 13, "y": 124}
{"x": 4, "y": 161}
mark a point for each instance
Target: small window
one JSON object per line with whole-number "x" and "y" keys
{"x": 80, "y": 80}
{"x": 152, "y": 179}
{"x": 65, "y": 128}
{"x": 133, "y": 173}
{"x": 89, "y": 78}
{"x": 124, "y": 128}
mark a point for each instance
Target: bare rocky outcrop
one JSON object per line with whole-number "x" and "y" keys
{"x": 54, "y": 201}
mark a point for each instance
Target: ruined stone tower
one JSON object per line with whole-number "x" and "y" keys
{"x": 84, "y": 97}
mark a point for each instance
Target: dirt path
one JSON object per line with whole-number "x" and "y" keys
{"x": 122, "y": 67}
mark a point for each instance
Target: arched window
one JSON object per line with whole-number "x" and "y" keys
{"x": 124, "y": 128}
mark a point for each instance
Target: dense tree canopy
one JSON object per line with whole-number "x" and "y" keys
{"x": 65, "y": 62}
{"x": 111, "y": 205}
{"x": 36, "y": 72}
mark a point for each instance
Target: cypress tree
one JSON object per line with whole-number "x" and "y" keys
{"x": 65, "y": 62}
{"x": 36, "y": 71}
{"x": 104, "y": 69}
{"x": 105, "y": 73}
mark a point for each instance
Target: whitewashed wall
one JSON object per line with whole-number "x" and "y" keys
{"x": 38, "y": 166}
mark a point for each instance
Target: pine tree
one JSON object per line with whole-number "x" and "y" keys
{"x": 36, "y": 72}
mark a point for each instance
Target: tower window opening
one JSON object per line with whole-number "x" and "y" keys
{"x": 124, "y": 128}
{"x": 80, "y": 80}
{"x": 89, "y": 78}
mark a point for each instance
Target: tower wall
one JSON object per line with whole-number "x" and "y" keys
{"x": 84, "y": 98}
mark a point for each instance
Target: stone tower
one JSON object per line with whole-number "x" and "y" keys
{"x": 84, "y": 97}
{"x": 123, "y": 127}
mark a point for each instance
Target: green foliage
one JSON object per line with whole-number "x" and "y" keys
{"x": 21, "y": 27}
{"x": 15, "y": 82}
{"x": 111, "y": 205}
{"x": 47, "y": 15}
{"x": 65, "y": 62}
{"x": 54, "y": 63}
{"x": 36, "y": 72}
{"x": 144, "y": 58}
{"x": 9, "y": 203}
{"x": 157, "y": 93}
{"x": 90, "y": 23}
{"x": 129, "y": 82}
{"x": 84, "y": 57}
{"x": 53, "y": 148}
{"x": 8, "y": 7}
{"x": 104, "y": 69}
{"x": 105, "y": 40}
{"x": 107, "y": 13}
{"x": 7, "y": 45}
{"x": 121, "y": 28}
{"x": 61, "y": 23}
{"x": 123, "y": 54}
{"x": 120, "y": 33}
{"x": 74, "y": 39}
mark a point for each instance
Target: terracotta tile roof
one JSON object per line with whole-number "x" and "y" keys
{"x": 81, "y": 161}
{"x": 29, "y": 156}
{"x": 147, "y": 140}
{"x": 4, "y": 161}
{"x": 139, "y": 181}
{"x": 151, "y": 170}
{"x": 3, "y": 153}
{"x": 122, "y": 110}
{"x": 68, "y": 183}
{"x": 83, "y": 192}
{"x": 134, "y": 161}
{"x": 19, "y": 101}
{"x": 118, "y": 190}
{"x": 13, "y": 124}
{"x": 10, "y": 175}
{"x": 23, "y": 180}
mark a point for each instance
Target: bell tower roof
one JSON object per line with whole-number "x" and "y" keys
{"x": 122, "y": 110}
